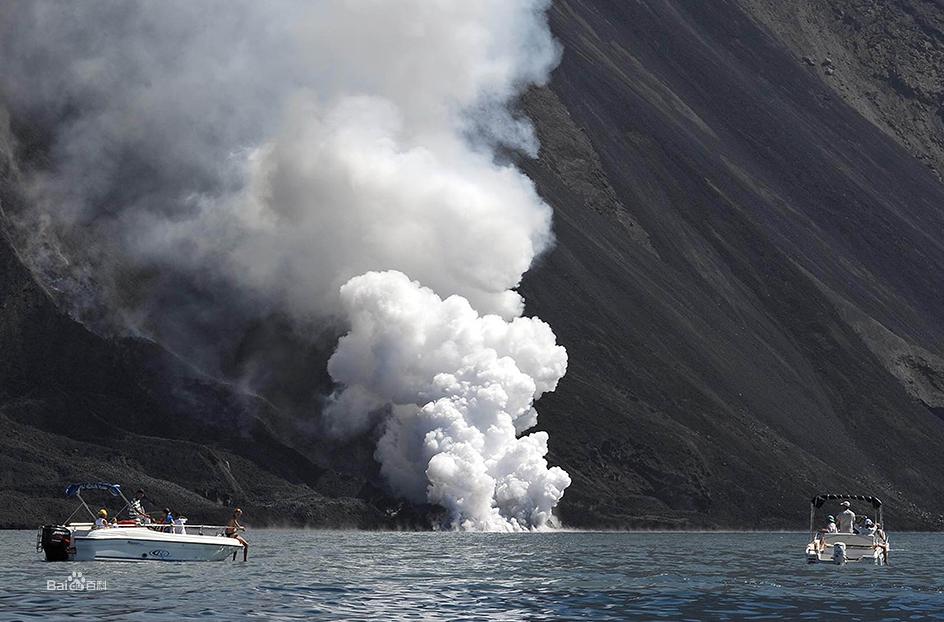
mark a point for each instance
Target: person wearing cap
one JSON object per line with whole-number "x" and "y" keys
{"x": 831, "y": 524}
{"x": 846, "y": 518}
{"x": 102, "y": 521}
{"x": 868, "y": 527}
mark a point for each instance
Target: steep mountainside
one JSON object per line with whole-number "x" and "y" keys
{"x": 885, "y": 59}
{"x": 76, "y": 406}
{"x": 747, "y": 278}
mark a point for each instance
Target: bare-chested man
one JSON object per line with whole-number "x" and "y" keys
{"x": 232, "y": 530}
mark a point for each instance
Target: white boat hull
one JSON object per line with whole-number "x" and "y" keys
{"x": 141, "y": 544}
{"x": 840, "y": 548}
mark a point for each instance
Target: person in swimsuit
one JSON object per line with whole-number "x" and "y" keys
{"x": 232, "y": 530}
{"x": 881, "y": 542}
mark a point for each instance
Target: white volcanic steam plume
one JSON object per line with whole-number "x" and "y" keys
{"x": 268, "y": 154}
{"x": 459, "y": 386}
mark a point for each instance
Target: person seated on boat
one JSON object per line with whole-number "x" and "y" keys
{"x": 168, "y": 519}
{"x": 880, "y": 542}
{"x": 102, "y": 521}
{"x": 232, "y": 530}
{"x": 137, "y": 508}
{"x": 868, "y": 527}
{"x": 846, "y": 518}
{"x": 178, "y": 522}
{"x": 829, "y": 528}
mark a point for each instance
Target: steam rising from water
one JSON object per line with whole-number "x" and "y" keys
{"x": 459, "y": 387}
{"x": 266, "y": 154}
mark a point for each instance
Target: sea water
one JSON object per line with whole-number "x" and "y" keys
{"x": 338, "y": 575}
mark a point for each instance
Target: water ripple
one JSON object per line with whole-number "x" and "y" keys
{"x": 295, "y": 575}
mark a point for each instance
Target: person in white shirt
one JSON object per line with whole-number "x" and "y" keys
{"x": 846, "y": 518}
{"x": 102, "y": 521}
{"x": 829, "y": 529}
{"x": 179, "y": 522}
{"x": 868, "y": 527}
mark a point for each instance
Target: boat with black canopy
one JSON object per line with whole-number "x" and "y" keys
{"x": 852, "y": 539}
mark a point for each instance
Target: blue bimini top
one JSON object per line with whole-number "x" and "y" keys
{"x": 75, "y": 489}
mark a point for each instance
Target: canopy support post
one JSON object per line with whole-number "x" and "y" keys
{"x": 126, "y": 506}
{"x": 85, "y": 505}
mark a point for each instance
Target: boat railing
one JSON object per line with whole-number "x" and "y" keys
{"x": 197, "y": 530}
{"x": 191, "y": 529}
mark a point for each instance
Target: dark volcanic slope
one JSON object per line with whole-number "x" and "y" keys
{"x": 742, "y": 260}
{"x": 75, "y": 406}
{"x": 748, "y": 279}
{"x": 886, "y": 59}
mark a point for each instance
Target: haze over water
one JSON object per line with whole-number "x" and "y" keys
{"x": 295, "y": 575}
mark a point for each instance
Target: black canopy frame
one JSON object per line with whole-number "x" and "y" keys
{"x": 819, "y": 500}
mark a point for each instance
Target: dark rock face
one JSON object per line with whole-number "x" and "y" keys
{"x": 752, "y": 313}
{"x": 748, "y": 279}
{"x": 75, "y": 406}
{"x": 886, "y": 61}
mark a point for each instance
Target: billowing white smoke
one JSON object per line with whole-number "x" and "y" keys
{"x": 459, "y": 387}
{"x": 275, "y": 151}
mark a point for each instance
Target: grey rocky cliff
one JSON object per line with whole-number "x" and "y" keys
{"x": 721, "y": 380}
{"x": 885, "y": 59}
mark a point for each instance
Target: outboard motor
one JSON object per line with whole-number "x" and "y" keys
{"x": 55, "y": 541}
{"x": 839, "y": 553}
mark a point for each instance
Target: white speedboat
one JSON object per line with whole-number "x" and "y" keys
{"x": 842, "y": 548}
{"x": 131, "y": 540}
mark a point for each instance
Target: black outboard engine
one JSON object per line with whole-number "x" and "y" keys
{"x": 55, "y": 541}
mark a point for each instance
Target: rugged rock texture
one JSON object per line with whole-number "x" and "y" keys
{"x": 748, "y": 280}
{"x": 768, "y": 324}
{"x": 885, "y": 59}
{"x": 76, "y": 406}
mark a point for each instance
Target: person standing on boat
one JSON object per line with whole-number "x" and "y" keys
{"x": 846, "y": 518}
{"x": 232, "y": 530}
{"x": 137, "y": 508}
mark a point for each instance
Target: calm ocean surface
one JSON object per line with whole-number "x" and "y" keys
{"x": 294, "y": 575}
